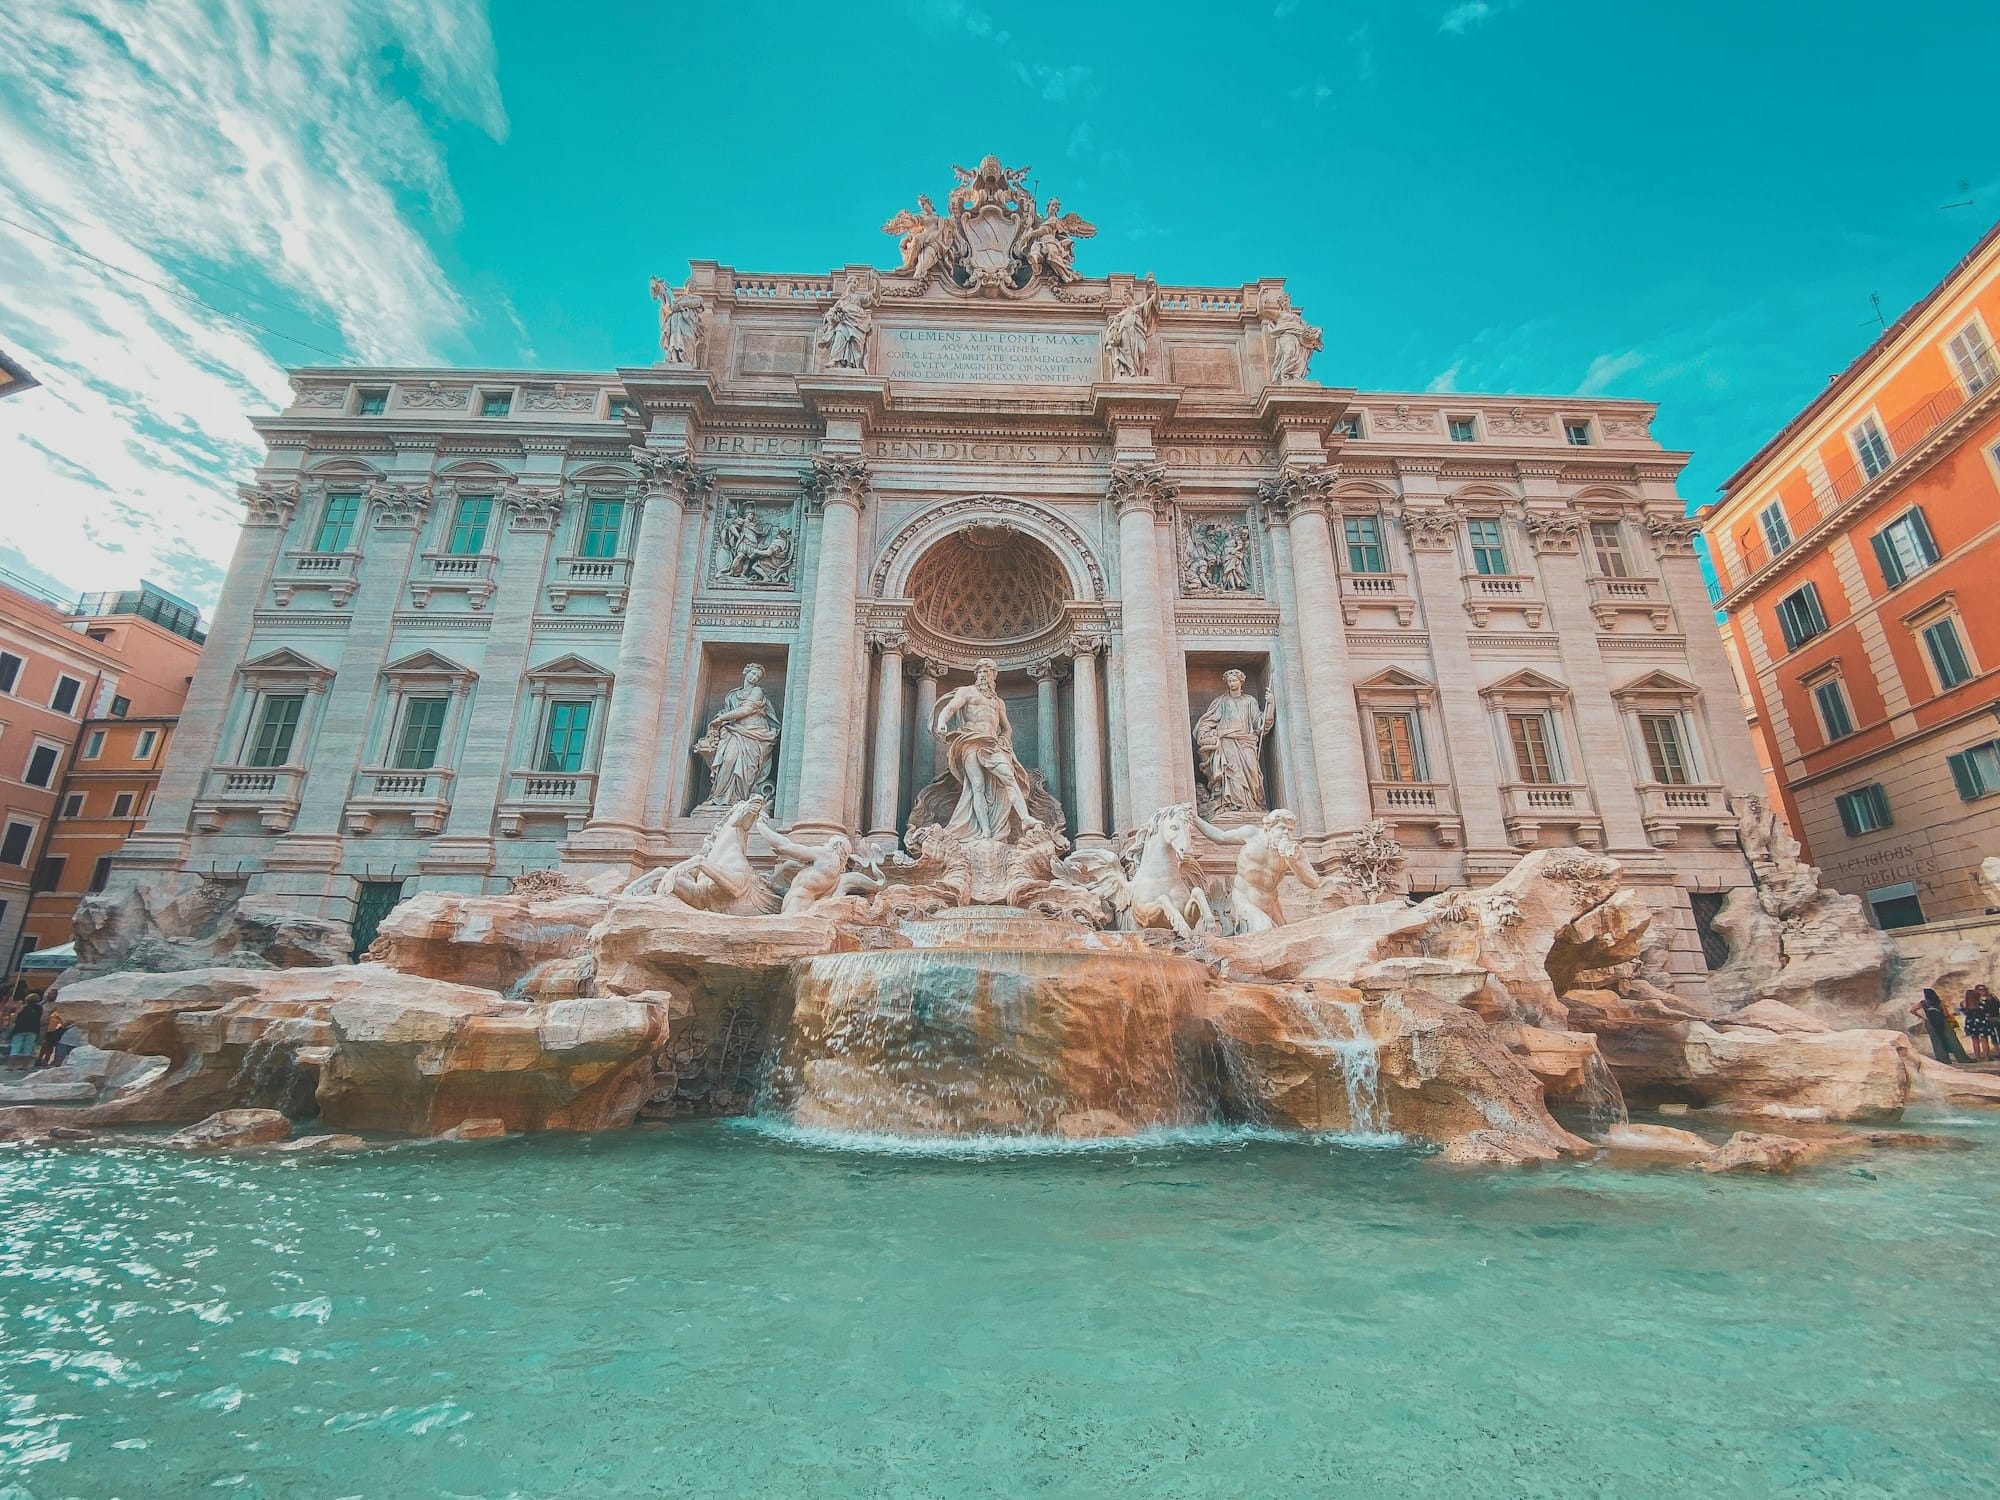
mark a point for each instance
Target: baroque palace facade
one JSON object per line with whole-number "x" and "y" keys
{"x": 484, "y": 621}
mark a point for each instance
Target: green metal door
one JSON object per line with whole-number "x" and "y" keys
{"x": 375, "y": 900}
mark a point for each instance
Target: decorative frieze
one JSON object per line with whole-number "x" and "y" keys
{"x": 1515, "y": 422}
{"x": 434, "y": 395}
{"x": 1216, "y": 553}
{"x": 571, "y": 398}
{"x": 1404, "y": 419}
{"x": 755, "y": 546}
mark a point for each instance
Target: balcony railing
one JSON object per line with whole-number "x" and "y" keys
{"x": 272, "y": 792}
{"x": 336, "y": 572}
{"x": 1841, "y": 485}
{"x": 452, "y": 572}
{"x": 424, "y": 794}
{"x": 1486, "y": 592}
{"x": 609, "y": 576}
{"x": 1526, "y": 806}
{"x": 1389, "y": 590}
{"x": 565, "y": 794}
{"x": 1611, "y": 597}
{"x": 1417, "y": 804}
{"x": 1667, "y": 808}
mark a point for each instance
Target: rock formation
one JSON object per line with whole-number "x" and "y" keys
{"x": 184, "y": 921}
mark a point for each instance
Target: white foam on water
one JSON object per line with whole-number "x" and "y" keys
{"x": 990, "y": 1147}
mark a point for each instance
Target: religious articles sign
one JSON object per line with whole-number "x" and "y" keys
{"x": 1003, "y": 356}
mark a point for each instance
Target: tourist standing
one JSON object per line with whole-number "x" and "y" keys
{"x": 1944, "y": 1045}
{"x": 26, "y": 1038}
{"x": 54, "y": 1024}
{"x": 1977, "y": 1013}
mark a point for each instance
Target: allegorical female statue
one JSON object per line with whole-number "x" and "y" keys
{"x": 993, "y": 789}
{"x": 1229, "y": 748}
{"x": 1294, "y": 341}
{"x": 843, "y": 332}
{"x": 738, "y": 744}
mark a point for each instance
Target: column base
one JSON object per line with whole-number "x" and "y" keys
{"x": 606, "y": 848}
{"x": 820, "y": 832}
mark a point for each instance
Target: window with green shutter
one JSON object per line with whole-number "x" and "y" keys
{"x": 277, "y": 723}
{"x": 1800, "y": 617}
{"x": 603, "y": 521}
{"x": 1489, "y": 549}
{"x": 1364, "y": 544}
{"x": 417, "y": 739}
{"x": 563, "y": 744}
{"x": 1864, "y": 809}
{"x": 1833, "y": 712}
{"x": 468, "y": 526}
{"x": 1904, "y": 547}
{"x": 1947, "y": 653}
{"x": 1976, "y": 771}
{"x": 336, "y": 523}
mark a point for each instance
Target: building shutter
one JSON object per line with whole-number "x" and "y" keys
{"x": 1967, "y": 777}
{"x": 1885, "y": 555}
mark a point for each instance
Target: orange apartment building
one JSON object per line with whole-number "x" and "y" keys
{"x": 1859, "y": 560}
{"x": 88, "y": 700}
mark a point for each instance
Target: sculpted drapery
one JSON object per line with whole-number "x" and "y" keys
{"x": 738, "y": 743}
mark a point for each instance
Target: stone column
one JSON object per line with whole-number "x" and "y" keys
{"x": 1089, "y": 741}
{"x": 1139, "y": 491}
{"x": 888, "y": 734}
{"x": 1300, "y": 496}
{"x": 838, "y": 486}
{"x": 1048, "y": 754}
{"x": 196, "y": 741}
{"x": 635, "y": 725}
{"x": 923, "y": 753}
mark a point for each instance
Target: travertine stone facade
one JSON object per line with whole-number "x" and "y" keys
{"x": 480, "y": 620}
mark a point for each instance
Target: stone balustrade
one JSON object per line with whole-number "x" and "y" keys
{"x": 271, "y": 792}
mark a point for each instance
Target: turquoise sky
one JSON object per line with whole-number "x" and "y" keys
{"x": 1690, "y": 204}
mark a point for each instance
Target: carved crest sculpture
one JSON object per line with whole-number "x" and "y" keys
{"x": 680, "y": 324}
{"x": 992, "y": 238}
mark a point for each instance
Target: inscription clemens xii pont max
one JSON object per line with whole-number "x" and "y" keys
{"x": 1002, "y": 355}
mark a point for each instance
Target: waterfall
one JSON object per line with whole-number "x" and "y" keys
{"x": 1353, "y": 1048}
{"x": 269, "y": 1077}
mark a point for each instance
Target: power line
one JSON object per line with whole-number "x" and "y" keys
{"x": 159, "y": 286}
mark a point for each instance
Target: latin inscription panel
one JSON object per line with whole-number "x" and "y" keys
{"x": 1001, "y": 356}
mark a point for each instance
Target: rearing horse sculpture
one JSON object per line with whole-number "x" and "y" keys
{"x": 1158, "y": 892}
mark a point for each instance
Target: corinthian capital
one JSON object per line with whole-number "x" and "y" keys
{"x": 671, "y": 474}
{"x": 268, "y": 504}
{"x": 1296, "y": 490}
{"x": 836, "y": 479}
{"x": 398, "y": 505}
{"x": 1143, "y": 485}
{"x": 1674, "y": 536}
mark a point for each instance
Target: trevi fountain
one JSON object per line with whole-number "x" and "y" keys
{"x": 969, "y": 1148}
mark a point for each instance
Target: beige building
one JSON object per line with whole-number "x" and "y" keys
{"x": 483, "y": 621}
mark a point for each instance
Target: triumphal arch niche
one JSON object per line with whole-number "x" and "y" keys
{"x": 1205, "y": 569}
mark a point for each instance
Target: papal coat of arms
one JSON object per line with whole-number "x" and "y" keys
{"x": 992, "y": 237}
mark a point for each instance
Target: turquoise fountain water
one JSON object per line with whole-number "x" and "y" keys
{"x": 714, "y": 1310}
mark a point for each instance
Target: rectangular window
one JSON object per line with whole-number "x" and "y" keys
{"x": 67, "y": 689}
{"x": 618, "y": 408}
{"x": 1800, "y": 618}
{"x": 121, "y": 805}
{"x": 42, "y": 765}
{"x": 277, "y": 723}
{"x": 100, "y": 873}
{"x": 468, "y": 526}
{"x": 1399, "y": 747}
{"x": 1607, "y": 545}
{"x": 1462, "y": 429}
{"x": 148, "y": 738}
{"x": 14, "y": 843}
{"x": 1364, "y": 544}
{"x": 49, "y": 872}
{"x": 1896, "y": 905}
{"x": 1976, "y": 771}
{"x": 1947, "y": 653}
{"x": 569, "y": 728}
{"x": 370, "y": 403}
{"x": 603, "y": 523}
{"x": 73, "y": 805}
{"x": 1834, "y": 717}
{"x": 120, "y": 707}
{"x": 417, "y": 740}
{"x": 495, "y": 403}
{"x": 1777, "y": 530}
{"x": 336, "y": 523}
{"x": 1349, "y": 426}
{"x": 1870, "y": 446}
{"x": 1489, "y": 548}
{"x": 1577, "y": 434}
{"x": 1864, "y": 809}
{"x": 1974, "y": 358}
{"x": 10, "y": 671}
{"x": 1904, "y": 547}
{"x": 1666, "y": 748}
{"x": 94, "y": 745}
{"x": 1534, "y": 747}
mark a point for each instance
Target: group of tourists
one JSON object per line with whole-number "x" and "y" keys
{"x": 1969, "y": 1032}
{"x": 37, "y": 1034}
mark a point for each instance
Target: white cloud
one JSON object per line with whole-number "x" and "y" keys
{"x": 1081, "y": 139}
{"x": 1445, "y": 380}
{"x": 1286, "y": 9}
{"x": 1066, "y": 85}
{"x": 1318, "y": 91}
{"x": 179, "y": 138}
{"x": 1462, "y": 18}
{"x": 1605, "y": 370}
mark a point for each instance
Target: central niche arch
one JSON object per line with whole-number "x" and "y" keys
{"x": 987, "y": 586}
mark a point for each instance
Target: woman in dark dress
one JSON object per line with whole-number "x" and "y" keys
{"x": 1977, "y": 1014}
{"x": 1944, "y": 1045}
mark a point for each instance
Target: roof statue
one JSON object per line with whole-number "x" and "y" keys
{"x": 992, "y": 237}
